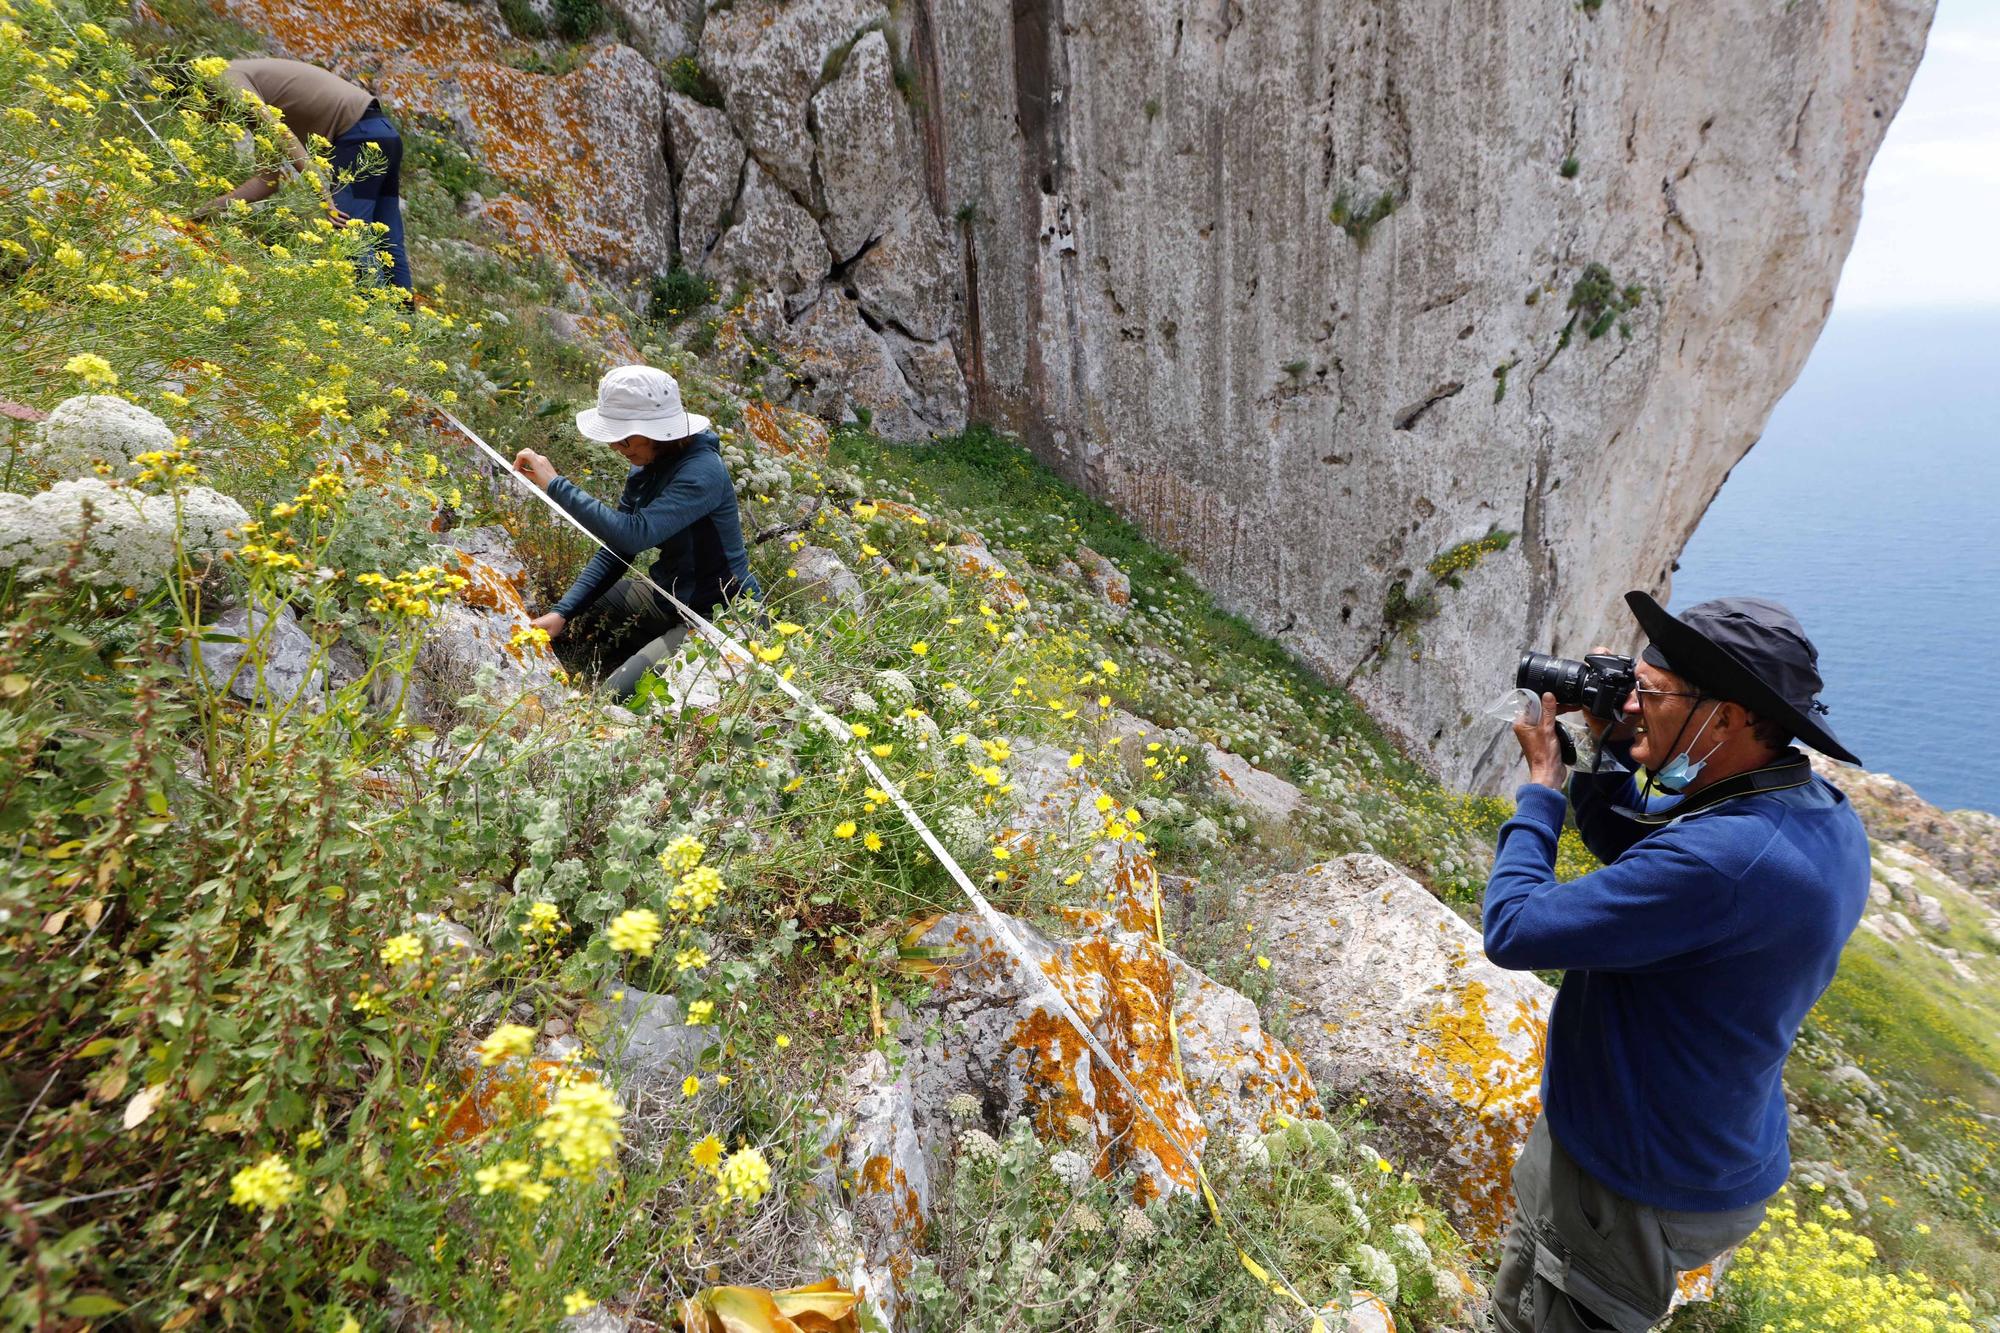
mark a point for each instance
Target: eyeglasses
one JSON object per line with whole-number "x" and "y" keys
{"x": 1645, "y": 694}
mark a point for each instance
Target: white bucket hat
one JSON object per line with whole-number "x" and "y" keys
{"x": 638, "y": 400}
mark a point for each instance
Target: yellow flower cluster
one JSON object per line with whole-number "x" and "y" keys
{"x": 509, "y": 1041}
{"x": 582, "y": 1127}
{"x": 745, "y": 1177}
{"x": 92, "y": 369}
{"x": 544, "y": 921}
{"x": 635, "y": 931}
{"x": 400, "y": 949}
{"x": 696, "y": 893}
{"x": 1805, "y": 1273}
{"x": 513, "y": 1176}
{"x": 414, "y": 594}
{"x": 268, "y": 1185}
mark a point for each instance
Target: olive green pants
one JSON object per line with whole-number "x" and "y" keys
{"x": 1581, "y": 1258}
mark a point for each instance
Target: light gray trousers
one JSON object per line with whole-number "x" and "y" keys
{"x": 630, "y": 610}
{"x": 1581, "y": 1258}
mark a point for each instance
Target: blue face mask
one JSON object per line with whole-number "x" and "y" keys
{"x": 1679, "y": 773}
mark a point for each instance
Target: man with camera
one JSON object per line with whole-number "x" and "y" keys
{"x": 1689, "y": 960}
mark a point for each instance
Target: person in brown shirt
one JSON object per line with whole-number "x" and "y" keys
{"x": 312, "y": 101}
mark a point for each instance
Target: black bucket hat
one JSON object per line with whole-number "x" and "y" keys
{"x": 1746, "y": 650}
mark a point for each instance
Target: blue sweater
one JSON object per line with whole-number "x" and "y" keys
{"x": 685, "y": 505}
{"x": 1689, "y": 962}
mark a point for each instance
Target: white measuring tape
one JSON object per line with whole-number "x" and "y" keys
{"x": 1009, "y": 942}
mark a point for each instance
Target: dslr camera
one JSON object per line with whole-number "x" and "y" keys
{"x": 1598, "y": 684}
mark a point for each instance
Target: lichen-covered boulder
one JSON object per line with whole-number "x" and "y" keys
{"x": 774, "y": 242}
{"x": 1392, "y": 998}
{"x": 1265, "y": 796}
{"x": 1105, "y": 579}
{"x": 824, "y": 578}
{"x": 486, "y": 625}
{"x": 1011, "y": 1048}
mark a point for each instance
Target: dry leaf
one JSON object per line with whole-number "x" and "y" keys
{"x": 143, "y": 1104}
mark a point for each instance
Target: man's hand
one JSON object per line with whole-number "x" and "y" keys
{"x": 535, "y": 468}
{"x": 550, "y": 623}
{"x": 1541, "y": 748}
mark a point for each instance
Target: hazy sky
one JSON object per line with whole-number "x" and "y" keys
{"x": 1930, "y": 220}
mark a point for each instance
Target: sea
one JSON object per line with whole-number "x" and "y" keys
{"x": 1871, "y": 507}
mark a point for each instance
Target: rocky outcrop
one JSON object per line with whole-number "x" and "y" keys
{"x": 1393, "y": 999}
{"x": 1319, "y": 293}
{"x": 1423, "y": 333}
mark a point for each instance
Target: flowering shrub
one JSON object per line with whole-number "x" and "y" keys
{"x": 1804, "y": 1270}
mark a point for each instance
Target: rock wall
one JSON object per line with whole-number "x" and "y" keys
{"x": 1424, "y": 329}
{"x": 1314, "y": 410}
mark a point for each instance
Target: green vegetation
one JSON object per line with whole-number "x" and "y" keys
{"x": 1570, "y": 167}
{"x": 522, "y": 20}
{"x": 1359, "y": 219}
{"x": 1599, "y": 303}
{"x": 678, "y": 293}
{"x": 1447, "y": 566}
{"x": 685, "y": 76}
{"x": 578, "y": 19}
{"x": 1026, "y": 1237}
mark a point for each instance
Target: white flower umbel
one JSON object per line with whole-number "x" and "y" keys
{"x": 1408, "y": 1248}
{"x": 1376, "y": 1271}
{"x": 1071, "y": 1168}
{"x": 209, "y": 520}
{"x": 126, "y": 548}
{"x": 94, "y": 428}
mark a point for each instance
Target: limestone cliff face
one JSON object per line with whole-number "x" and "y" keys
{"x": 1424, "y": 328}
{"x": 1313, "y": 413}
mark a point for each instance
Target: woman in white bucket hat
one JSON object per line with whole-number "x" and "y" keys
{"x": 677, "y": 497}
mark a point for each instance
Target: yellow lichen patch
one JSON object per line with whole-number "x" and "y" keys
{"x": 1490, "y": 1064}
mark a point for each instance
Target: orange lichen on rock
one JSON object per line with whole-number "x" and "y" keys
{"x": 785, "y": 432}
{"x": 506, "y": 1096}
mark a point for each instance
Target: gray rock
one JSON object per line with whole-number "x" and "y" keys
{"x": 1151, "y": 218}
{"x": 646, "y": 1039}
{"x": 1106, "y": 580}
{"x": 271, "y": 663}
{"x": 774, "y": 242}
{"x": 907, "y": 278}
{"x": 1392, "y": 996}
{"x": 868, "y": 165}
{"x": 660, "y": 29}
{"x": 824, "y": 578}
{"x": 596, "y": 1319}
{"x": 1265, "y": 796}
{"x": 769, "y": 57}
{"x": 708, "y": 172}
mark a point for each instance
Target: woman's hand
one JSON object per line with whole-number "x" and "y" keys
{"x": 550, "y": 623}
{"x": 535, "y": 468}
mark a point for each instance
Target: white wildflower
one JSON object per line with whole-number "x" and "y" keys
{"x": 962, "y": 1106}
{"x": 1135, "y": 1226}
{"x": 1071, "y": 1168}
{"x": 1086, "y": 1220}
{"x": 1376, "y": 1271}
{"x": 125, "y": 547}
{"x": 896, "y": 686}
{"x": 862, "y": 702}
{"x": 98, "y": 427}
{"x": 207, "y": 518}
{"x": 1411, "y": 1252}
{"x": 978, "y": 1146}
{"x": 1343, "y": 1194}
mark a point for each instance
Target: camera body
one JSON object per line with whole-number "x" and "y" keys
{"x": 1599, "y": 684}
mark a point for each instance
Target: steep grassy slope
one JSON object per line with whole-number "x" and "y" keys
{"x": 275, "y": 975}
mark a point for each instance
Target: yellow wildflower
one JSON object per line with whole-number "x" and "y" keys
{"x": 635, "y": 931}
{"x": 400, "y": 949}
{"x": 509, "y": 1040}
{"x": 269, "y": 1185}
{"x": 745, "y": 1177}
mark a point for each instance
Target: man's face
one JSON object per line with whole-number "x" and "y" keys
{"x": 637, "y": 450}
{"x": 1657, "y": 711}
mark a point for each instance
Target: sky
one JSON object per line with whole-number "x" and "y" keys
{"x": 1935, "y": 186}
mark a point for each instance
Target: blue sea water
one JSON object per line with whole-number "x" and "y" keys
{"x": 1871, "y": 507}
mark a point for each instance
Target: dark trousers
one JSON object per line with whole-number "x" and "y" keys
{"x": 1581, "y": 1258}
{"x": 377, "y": 196}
